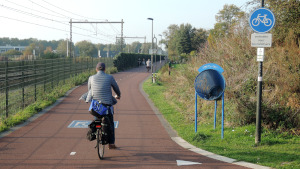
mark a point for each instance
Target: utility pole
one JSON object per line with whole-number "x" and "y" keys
{"x": 67, "y": 48}
{"x": 96, "y": 23}
{"x": 153, "y": 80}
{"x": 122, "y": 35}
{"x": 70, "y": 46}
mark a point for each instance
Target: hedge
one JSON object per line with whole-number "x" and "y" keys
{"x": 125, "y": 61}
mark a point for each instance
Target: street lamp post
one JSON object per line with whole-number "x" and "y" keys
{"x": 152, "y": 50}
{"x": 160, "y": 46}
{"x": 155, "y": 52}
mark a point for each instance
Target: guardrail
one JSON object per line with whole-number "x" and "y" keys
{"x": 23, "y": 82}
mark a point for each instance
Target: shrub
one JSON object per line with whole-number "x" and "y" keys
{"x": 125, "y": 61}
{"x": 234, "y": 54}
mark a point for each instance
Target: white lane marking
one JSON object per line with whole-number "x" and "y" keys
{"x": 182, "y": 162}
{"x": 85, "y": 123}
{"x": 116, "y": 123}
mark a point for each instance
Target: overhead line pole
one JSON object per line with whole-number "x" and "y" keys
{"x": 94, "y": 22}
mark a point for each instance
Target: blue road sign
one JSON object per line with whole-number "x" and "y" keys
{"x": 262, "y": 20}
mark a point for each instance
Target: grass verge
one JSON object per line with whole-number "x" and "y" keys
{"x": 281, "y": 151}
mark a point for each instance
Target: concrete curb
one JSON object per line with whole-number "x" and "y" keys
{"x": 174, "y": 136}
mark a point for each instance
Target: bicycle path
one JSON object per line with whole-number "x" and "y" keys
{"x": 143, "y": 142}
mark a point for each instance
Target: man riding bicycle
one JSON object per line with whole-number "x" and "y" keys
{"x": 99, "y": 87}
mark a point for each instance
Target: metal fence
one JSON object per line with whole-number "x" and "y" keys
{"x": 24, "y": 82}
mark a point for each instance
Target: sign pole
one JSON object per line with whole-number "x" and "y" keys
{"x": 259, "y": 97}
{"x": 223, "y": 105}
{"x": 196, "y": 112}
{"x": 258, "y": 106}
{"x": 215, "y": 119}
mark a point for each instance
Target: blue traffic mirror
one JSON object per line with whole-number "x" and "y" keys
{"x": 210, "y": 83}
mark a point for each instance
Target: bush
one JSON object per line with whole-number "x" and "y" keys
{"x": 234, "y": 54}
{"x": 125, "y": 61}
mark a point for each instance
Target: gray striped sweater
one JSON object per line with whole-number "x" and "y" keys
{"x": 99, "y": 87}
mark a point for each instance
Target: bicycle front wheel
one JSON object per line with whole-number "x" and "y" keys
{"x": 100, "y": 146}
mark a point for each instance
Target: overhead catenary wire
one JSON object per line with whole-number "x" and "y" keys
{"x": 35, "y": 10}
{"x": 38, "y": 16}
{"x": 72, "y": 12}
{"x": 67, "y": 17}
{"x": 53, "y": 28}
{"x": 29, "y": 11}
{"x": 111, "y": 36}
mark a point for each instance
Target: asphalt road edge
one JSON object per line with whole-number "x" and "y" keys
{"x": 174, "y": 136}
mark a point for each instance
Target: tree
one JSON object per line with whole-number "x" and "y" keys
{"x": 171, "y": 40}
{"x": 146, "y": 47}
{"x": 120, "y": 44}
{"x": 184, "y": 42}
{"x": 287, "y": 26}
{"x": 50, "y": 55}
{"x": 86, "y": 48}
{"x": 230, "y": 14}
{"x": 199, "y": 38}
{"x": 183, "y": 39}
{"x": 29, "y": 49}
{"x": 48, "y": 50}
{"x": 62, "y": 48}
{"x": 11, "y": 53}
{"x": 227, "y": 19}
{"x": 136, "y": 46}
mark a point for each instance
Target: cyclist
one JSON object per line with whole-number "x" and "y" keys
{"x": 99, "y": 87}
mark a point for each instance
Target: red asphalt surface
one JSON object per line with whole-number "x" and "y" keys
{"x": 142, "y": 141}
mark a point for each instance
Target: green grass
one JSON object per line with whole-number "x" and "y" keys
{"x": 281, "y": 151}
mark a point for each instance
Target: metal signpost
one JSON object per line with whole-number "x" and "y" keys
{"x": 261, "y": 21}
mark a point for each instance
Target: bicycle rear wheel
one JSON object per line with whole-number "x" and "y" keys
{"x": 100, "y": 146}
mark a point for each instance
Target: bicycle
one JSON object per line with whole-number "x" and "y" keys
{"x": 266, "y": 21}
{"x": 101, "y": 136}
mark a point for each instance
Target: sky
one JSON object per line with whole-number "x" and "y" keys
{"x": 49, "y": 19}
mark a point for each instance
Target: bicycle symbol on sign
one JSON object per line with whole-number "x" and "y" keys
{"x": 261, "y": 19}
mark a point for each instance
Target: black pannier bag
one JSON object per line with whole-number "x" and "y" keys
{"x": 106, "y": 133}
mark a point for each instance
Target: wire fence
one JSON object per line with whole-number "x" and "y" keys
{"x": 24, "y": 82}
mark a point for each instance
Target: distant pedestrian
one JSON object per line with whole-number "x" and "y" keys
{"x": 148, "y": 65}
{"x": 139, "y": 62}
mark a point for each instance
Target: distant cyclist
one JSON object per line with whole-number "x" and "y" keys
{"x": 99, "y": 86}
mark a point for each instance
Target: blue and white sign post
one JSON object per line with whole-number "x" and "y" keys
{"x": 261, "y": 21}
